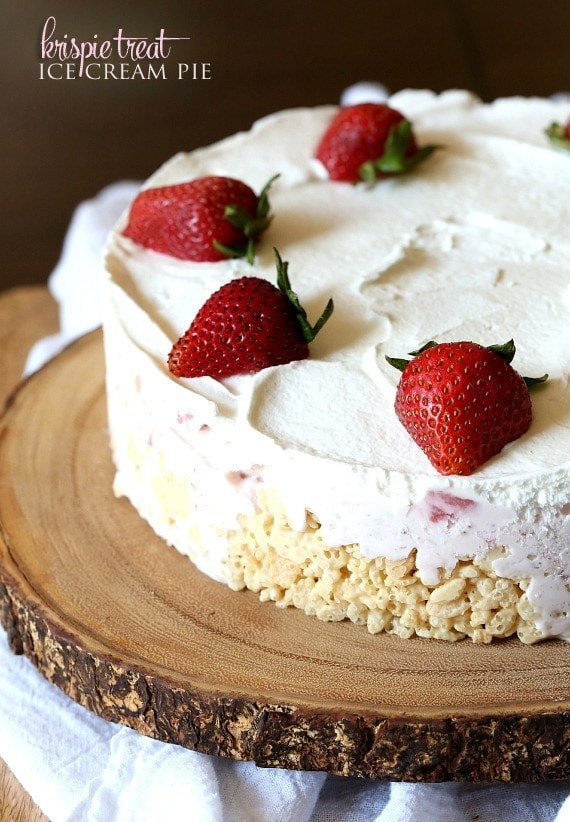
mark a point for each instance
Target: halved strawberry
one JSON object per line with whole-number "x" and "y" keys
{"x": 247, "y": 325}
{"x": 462, "y": 403}
{"x": 204, "y": 220}
{"x": 367, "y": 142}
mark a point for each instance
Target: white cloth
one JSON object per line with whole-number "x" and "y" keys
{"x": 79, "y": 768}
{"x": 74, "y": 282}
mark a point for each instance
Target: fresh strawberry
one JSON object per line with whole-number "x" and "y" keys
{"x": 462, "y": 403}
{"x": 369, "y": 141}
{"x": 204, "y": 220}
{"x": 245, "y": 326}
{"x": 559, "y": 135}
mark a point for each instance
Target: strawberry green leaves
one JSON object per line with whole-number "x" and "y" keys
{"x": 250, "y": 225}
{"x": 559, "y": 135}
{"x": 308, "y": 331}
{"x": 395, "y": 159}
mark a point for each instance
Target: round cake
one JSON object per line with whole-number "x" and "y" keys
{"x": 299, "y": 481}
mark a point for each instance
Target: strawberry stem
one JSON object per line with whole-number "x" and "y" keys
{"x": 558, "y": 136}
{"x": 506, "y": 351}
{"x": 250, "y": 225}
{"x": 530, "y": 382}
{"x": 394, "y": 159}
{"x": 397, "y": 362}
{"x": 400, "y": 363}
{"x": 308, "y": 331}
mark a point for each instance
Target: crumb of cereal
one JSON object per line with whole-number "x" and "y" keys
{"x": 291, "y": 569}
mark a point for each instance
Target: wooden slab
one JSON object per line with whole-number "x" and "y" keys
{"x": 27, "y": 313}
{"x": 130, "y": 629}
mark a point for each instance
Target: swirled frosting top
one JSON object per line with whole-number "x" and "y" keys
{"x": 473, "y": 245}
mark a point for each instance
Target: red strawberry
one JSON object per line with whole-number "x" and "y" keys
{"x": 245, "y": 326}
{"x": 462, "y": 402}
{"x": 204, "y": 220}
{"x": 369, "y": 141}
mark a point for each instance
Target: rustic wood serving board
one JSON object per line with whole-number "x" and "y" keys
{"x": 27, "y": 313}
{"x": 130, "y": 629}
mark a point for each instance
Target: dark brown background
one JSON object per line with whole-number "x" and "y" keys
{"x": 63, "y": 140}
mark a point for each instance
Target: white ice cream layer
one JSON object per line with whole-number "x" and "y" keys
{"x": 474, "y": 245}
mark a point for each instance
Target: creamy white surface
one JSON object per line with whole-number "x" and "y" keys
{"x": 473, "y": 245}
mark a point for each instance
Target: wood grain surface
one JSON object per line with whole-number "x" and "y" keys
{"x": 26, "y": 315}
{"x": 130, "y": 629}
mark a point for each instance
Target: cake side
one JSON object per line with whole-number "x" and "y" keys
{"x": 456, "y": 252}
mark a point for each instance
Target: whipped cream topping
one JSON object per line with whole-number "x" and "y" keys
{"x": 472, "y": 245}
